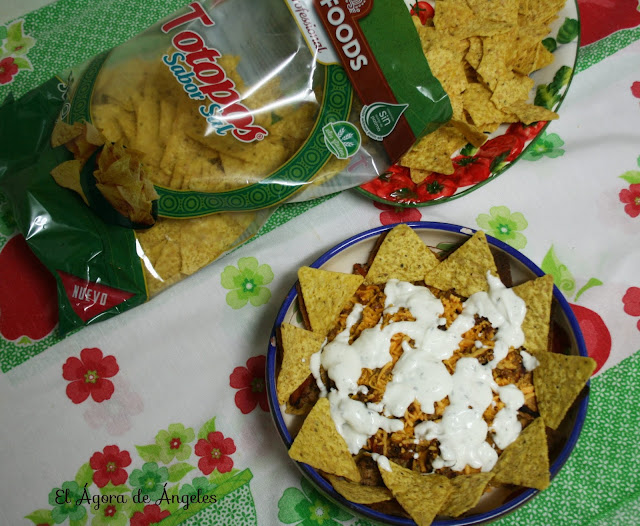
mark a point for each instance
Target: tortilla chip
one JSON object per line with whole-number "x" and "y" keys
{"x": 67, "y": 175}
{"x": 558, "y": 381}
{"x": 467, "y": 490}
{"x": 297, "y": 347}
{"x": 198, "y": 247}
{"x": 420, "y": 495}
{"x": 525, "y": 462}
{"x": 465, "y": 270}
{"x": 321, "y": 446}
{"x": 63, "y": 133}
{"x": 478, "y": 104}
{"x": 433, "y": 152}
{"x": 359, "y": 493}
{"x": 471, "y": 133}
{"x": 325, "y": 294}
{"x": 537, "y": 295}
{"x": 403, "y": 256}
{"x": 528, "y": 113}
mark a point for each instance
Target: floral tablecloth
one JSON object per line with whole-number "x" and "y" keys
{"x": 100, "y": 426}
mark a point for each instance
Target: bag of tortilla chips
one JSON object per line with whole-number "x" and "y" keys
{"x": 135, "y": 169}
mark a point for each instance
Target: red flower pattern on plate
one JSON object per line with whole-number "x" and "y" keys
{"x": 635, "y": 89}
{"x": 251, "y": 382}
{"x": 88, "y": 376}
{"x": 152, "y": 514}
{"x": 395, "y": 214}
{"x": 631, "y": 301}
{"x": 109, "y": 466}
{"x": 215, "y": 451}
{"x": 8, "y": 70}
{"x": 631, "y": 198}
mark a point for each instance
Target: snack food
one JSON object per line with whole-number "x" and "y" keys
{"x": 479, "y": 371}
{"x": 483, "y": 53}
{"x": 158, "y": 156}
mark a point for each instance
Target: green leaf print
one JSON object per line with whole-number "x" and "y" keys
{"x": 246, "y": 283}
{"x": 23, "y": 63}
{"x": 632, "y": 177}
{"x": 545, "y": 145}
{"x": 561, "y": 275}
{"x": 3, "y": 34}
{"x": 504, "y": 225}
{"x": 593, "y": 282}
{"x": 84, "y": 475}
{"x": 40, "y": 516}
{"x": 569, "y": 31}
{"x": 150, "y": 453}
{"x": 208, "y": 427}
{"x": 178, "y": 471}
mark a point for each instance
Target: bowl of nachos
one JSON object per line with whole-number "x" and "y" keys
{"x": 425, "y": 373}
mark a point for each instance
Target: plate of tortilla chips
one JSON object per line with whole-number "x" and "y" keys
{"x": 425, "y": 373}
{"x": 506, "y": 67}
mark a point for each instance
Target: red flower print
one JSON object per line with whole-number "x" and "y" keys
{"x": 251, "y": 382}
{"x": 109, "y": 466}
{"x": 8, "y": 70}
{"x": 631, "y": 197}
{"x": 214, "y": 451}
{"x": 152, "y": 514}
{"x": 631, "y": 301}
{"x": 88, "y": 376}
{"x": 635, "y": 90}
{"x": 396, "y": 214}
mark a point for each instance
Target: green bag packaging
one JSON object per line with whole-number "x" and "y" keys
{"x": 134, "y": 170}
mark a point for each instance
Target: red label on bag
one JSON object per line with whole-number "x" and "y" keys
{"x": 89, "y": 299}
{"x": 340, "y": 18}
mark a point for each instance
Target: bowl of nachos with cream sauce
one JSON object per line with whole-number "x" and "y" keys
{"x": 425, "y": 373}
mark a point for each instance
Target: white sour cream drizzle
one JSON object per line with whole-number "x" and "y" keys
{"x": 421, "y": 375}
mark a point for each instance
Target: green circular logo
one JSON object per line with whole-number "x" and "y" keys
{"x": 342, "y": 139}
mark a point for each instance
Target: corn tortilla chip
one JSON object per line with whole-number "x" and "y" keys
{"x": 433, "y": 152}
{"x": 359, "y": 493}
{"x": 297, "y": 347}
{"x": 525, "y": 462}
{"x": 528, "y": 113}
{"x": 67, "y": 175}
{"x": 465, "y": 270}
{"x": 467, "y": 490}
{"x": 558, "y": 381}
{"x": 325, "y": 294}
{"x": 321, "y": 446}
{"x": 63, "y": 133}
{"x": 420, "y": 495}
{"x": 537, "y": 295}
{"x": 402, "y": 255}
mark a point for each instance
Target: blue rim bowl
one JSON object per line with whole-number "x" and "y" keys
{"x": 579, "y": 411}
